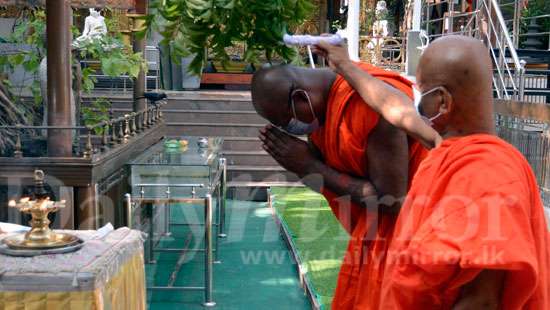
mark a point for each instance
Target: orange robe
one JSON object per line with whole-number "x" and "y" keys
{"x": 342, "y": 141}
{"x": 474, "y": 204}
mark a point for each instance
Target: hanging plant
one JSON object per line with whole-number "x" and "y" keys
{"x": 191, "y": 26}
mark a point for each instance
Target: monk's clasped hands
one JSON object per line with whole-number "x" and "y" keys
{"x": 290, "y": 152}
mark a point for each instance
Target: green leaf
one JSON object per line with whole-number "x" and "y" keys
{"x": 17, "y": 59}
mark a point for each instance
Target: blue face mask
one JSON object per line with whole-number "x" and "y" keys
{"x": 417, "y": 96}
{"x": 296, "y": 126}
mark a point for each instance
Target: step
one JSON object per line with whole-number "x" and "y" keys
{"x": 219, "y": 105}
{"x": 255, "y": 191}
{"x": 209, "y": 95}
{"x": 116, "y": 103}
{"x": 242, "y": 144}
{"x": 226, "y": 101}
{"x": 200, "y": 116}
{"x": 249, "y": 158}
{"x": 242, "y": 173}
{"x": 264, "y": 184}
{"x": 213, "y": 116}
{"x": 208, "y": 129}
{"x": 248, "y": 193}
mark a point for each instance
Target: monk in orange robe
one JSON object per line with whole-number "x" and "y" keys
{"x": 472, "y": 233}
{"x": 359, "y": 155}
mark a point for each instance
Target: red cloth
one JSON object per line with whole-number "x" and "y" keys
{"x": 343, "y": 142}
{"x": 474, "y": 204}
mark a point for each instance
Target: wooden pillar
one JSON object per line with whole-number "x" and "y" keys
{"x": 58, "y": 23}
{"x": 323, "y": 17}
{"x": 139, "y": 44}
{"x": 86, "y": 207}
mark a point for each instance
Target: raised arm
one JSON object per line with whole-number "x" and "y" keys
{"x": 393, "y": 105}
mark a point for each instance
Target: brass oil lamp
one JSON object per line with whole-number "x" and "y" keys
{"x": 40, "y": 235}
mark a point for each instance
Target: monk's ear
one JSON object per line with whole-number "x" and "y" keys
{"x": 299, "y": 96}
{"x": 447, "y": 104}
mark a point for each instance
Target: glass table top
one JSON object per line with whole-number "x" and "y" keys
{"x": 184, "y": 167}
{"x": 184, "y": 151}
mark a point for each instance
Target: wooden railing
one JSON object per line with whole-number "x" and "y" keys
{"x": 94, "y": 139}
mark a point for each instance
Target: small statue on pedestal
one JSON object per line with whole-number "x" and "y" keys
{"x": 380, "y": 29}
{"x": 94, "y": 27}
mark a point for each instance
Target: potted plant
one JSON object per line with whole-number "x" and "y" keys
{"x": 191, "y": 26}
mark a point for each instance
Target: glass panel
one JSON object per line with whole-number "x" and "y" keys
{"x": 178, "y": 165}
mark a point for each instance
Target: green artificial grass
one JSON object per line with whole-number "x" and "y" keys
{"x": 318, "y": 237}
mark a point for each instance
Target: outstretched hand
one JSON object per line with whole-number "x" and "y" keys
{"x": 290, "y": 152}
{"x": 337, "y": 55}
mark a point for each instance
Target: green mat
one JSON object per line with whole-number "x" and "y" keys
{"x": 256, "y": 270}
{"x": 319, "y": 239}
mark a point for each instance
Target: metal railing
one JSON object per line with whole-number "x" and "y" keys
{"x": 530, "y": 135}
{"x": 94, "y": 139}
{"x": 385, "y": 52}
{"x": 125, "y": 82}
{"x": 486, "y": 23}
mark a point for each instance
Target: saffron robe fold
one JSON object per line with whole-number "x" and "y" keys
{"x": 474, "y": 204}
{"x": 342, "y": 140}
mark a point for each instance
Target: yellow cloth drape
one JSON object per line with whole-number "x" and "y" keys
{"x": 124, "y": 291}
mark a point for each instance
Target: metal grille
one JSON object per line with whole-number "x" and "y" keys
{"x": 532, "y": 139}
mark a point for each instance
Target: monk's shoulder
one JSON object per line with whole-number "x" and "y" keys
{"x": 486, "y": 166}
{"x": 359, "y": 114}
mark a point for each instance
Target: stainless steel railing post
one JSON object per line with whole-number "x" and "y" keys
{"x": 208, "y": 276}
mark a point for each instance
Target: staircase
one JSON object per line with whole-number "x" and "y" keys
{"x": 498, "y": 24}
{"x": 228, "y": 114}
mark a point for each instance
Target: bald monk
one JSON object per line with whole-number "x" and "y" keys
{"x": 471, "y": 233}
{"x": 362, "y": 161}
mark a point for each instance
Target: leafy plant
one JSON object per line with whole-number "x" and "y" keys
{"x": 115, "y": 58}
{"x": 191, "y": 26}
{"x": 30, "y": 32}
{"x": 536, "y": 8}
{"x": 11, "y": 112}
{"x": 97, "y": 112}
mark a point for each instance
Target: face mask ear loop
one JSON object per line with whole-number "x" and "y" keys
{"x": 310, "y": 104}
{"x": 293, "y": 106}
{"x": 435, "y": 117}
{"x": 432, "y": 90}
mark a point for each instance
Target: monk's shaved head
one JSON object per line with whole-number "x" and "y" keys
{"x": 461, "y": 65}
{"x": 272, "y": 89}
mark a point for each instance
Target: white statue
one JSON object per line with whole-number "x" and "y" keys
{"x": 94, "y": 27}
{"x": 380, "y": 29}
{"x": 380, "y": 26}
